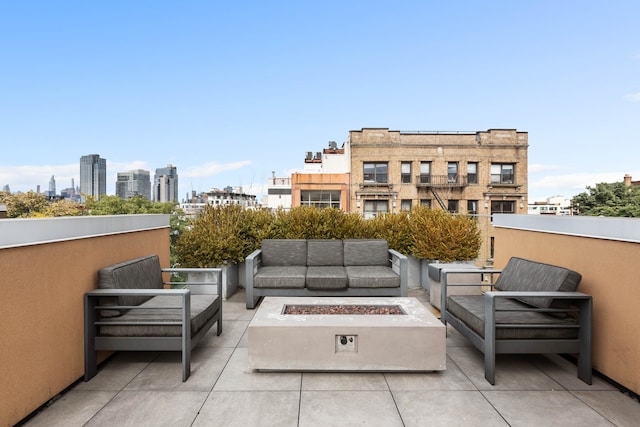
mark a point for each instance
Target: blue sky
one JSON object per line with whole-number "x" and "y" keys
{"x": 230, "y": 91}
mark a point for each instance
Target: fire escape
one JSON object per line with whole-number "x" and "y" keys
{"x": 436, "y": 183}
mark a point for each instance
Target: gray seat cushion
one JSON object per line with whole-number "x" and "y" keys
{"x": 140, "y": 273}
{"x": 284, "y": 252}
{"x": 280, "y": 277}
{"x": 326, "y": 277}
{"x": 203, "y": 308}
{"x": 524, "y": 275}
{"x": 366, "y": 252}
{"x": 372, "y": 276}
{"x": 470, "y": 309}
{"x": 322, "y": 252}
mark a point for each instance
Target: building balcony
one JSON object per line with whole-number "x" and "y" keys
{"x": 441, "y": 181}
{"x": 48, "y": 264}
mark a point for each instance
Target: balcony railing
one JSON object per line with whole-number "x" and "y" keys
{"x": 441, "y": 181}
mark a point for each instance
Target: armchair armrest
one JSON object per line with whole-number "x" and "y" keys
{"x": 400, "y": 264}
{"x": 446, "y": 272}
{"x": 554, "y": 295}
{"x": 91, "y": 305}
{"x": 136, "y": 292}
{"x": 252, "y": 263}
{"x": 582, "y": 301}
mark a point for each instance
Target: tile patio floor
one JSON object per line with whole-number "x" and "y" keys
{"x": 145, "y": 389}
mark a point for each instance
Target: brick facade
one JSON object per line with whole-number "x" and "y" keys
{"x": 479, "y": 173}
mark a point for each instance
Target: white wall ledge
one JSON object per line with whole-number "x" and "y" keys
{"x": 18, "y": 232}
{"x": 609, "y": 228}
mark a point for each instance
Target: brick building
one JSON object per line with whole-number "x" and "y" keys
{"x": 477, "y": 173}
{"x": 467, "y": 172}
{"x": 324, "y": 181}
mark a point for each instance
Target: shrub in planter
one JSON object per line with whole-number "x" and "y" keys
{"x": 213, "y": 239}
{"x": 438, "y": 235}
{"x": 305, "y": 222}
{"x": 395, "y": 228}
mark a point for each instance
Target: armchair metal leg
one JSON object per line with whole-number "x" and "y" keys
{"x": 186, "y": 364}
{"x": 490, "y": 340}
{"x": 584, "y": 358}
{"x": 490, "y": 368}
{"x": 90, "y": 358}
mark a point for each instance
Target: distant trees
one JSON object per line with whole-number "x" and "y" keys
{"x": 34, "y": 205}
{"x": 609, "y": 199}
{"x": 115, "y": 205}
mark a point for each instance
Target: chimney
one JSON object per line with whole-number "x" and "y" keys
{"x": 627, "y": 180}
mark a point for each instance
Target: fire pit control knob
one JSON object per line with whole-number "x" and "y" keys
{"x": 343, "y": 340}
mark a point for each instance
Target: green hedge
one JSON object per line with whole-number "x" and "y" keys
{"x": 226, "y": 235}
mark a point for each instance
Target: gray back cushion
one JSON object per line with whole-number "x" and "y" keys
{"x": 366, "y": 252}
{"x": 139, "y": 273}
{"x": 323, "y": 252}
{"x": 525, "y": 275}
{"x": 284, "y": 252}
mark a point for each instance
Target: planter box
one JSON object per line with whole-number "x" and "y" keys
{"x": 435, "y": 284}
{"x": 415, "y": 272}
{"x": 229, "y": 281}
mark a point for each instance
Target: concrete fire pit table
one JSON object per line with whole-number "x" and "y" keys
{"x": 345, "y": 334}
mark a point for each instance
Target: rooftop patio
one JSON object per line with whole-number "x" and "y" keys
{"x": 146, "y": 389}
{"x": 48, "y": 264}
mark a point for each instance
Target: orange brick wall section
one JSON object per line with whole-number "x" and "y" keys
{"x": 316, "y": 182}
{"x": 41, "y": 320}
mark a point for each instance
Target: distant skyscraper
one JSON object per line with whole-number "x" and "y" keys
{"x": 52, "y": 186}
{"x": 165, "y": 185}
{"x": 93, "y": 176}
{"x": 134, "y": 182}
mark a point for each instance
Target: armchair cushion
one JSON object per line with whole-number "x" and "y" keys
{"x": 471, "y": 310}
{"x": 326, "y": 277}
{"x": 524, "y": 275}
{"x": 366, "y": 252}
{"x": 324, "y": 252}
{"x": 203, "y": 308}
{"x": 373, "y": 276}
{"x": 284, "y": 252}
{"x": 280, "y": 277}
{"x": 139, "y": 273}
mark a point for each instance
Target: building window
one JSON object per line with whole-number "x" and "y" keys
{"x": 472, "y": 207}
{"x": 373, "y": 208}
{"x": 405, "y": 172}
{"x": 320, "y": 199}
{"x": 452, "y": 206}
{"x": 452, "y": 172}
{"x": 502, "y": 173}
{"x": 425, "y": 172}
{"x": 503, "y": 206}
{"x": 375, "y": 173}
{"x": 472, "y": 173}
{"x": 425, "y": 202}
{"x": 405, "y": 205}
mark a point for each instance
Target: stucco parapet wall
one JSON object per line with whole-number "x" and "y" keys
{"x": 36, "y": 231}
{"x": 609, "y": 228}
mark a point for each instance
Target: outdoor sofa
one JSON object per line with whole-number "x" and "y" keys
{"x": 325, "y": 267}
{"x": 532, "y": 307}
{"x": 133, "y": 311}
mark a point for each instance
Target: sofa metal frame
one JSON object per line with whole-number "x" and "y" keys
{"x": 581, "y": 304}
{"x": 397, "y": 261}
{"x": 184, "y": 343}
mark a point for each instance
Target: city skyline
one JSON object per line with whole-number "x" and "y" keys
{"x": 229, "y": 93}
